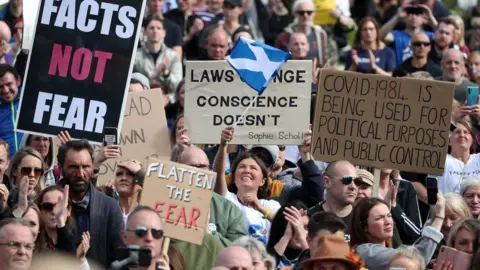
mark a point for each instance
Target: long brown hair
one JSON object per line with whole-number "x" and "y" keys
{"x": 15, "y": 162}
{"x": 358, "y": 35}
{"x": 360, "y": 221}
{"x": 40, "y": 241}
{"x": 177, "y": 262}
{"x": 262, "y": 192}
{"x": 468, "y": 126}
{"x": 70, "y": 222}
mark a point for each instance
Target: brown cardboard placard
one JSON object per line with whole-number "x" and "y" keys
{"x": 216, "y": 97}
{"x": 181, "y": 195}
{"x": 382, "y": 122}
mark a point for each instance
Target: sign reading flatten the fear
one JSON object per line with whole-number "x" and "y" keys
{"x": 216, "y": 97}
{"x": 79, "y": 67}
{"x": 382, "y": 122}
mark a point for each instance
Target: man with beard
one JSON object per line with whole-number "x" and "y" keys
{"x": 341, "y": 182}
{"x": 453, "y": 65}
{"x": 443, "y": 39}
{"x": 94, "y": 211}
{"x": 420, "y": 61}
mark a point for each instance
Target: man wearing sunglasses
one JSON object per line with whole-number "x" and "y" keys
{"x": 144, "y": 228}
{"x": 420, "y": 61}
{"x": 340, "y": 178}
{"x": 17, "y": 243}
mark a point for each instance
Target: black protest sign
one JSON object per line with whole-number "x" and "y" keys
{"x": 79, "y": 67}
{"x": 382, "y": 122}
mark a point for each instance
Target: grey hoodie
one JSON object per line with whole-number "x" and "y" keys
{"x": 377, "y": 257}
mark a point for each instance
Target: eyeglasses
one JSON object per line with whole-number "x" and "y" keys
{"x": 303, "y": 12}
{"x": 420, "y": 43}
{"x": 141, "y": 231}
{"x": 18, "y": 245}
{"x": 347, "y": 180}
{"x": 47, "y": 206}
{"x": 200, "y": 166}
{"x": 27, "y": 170}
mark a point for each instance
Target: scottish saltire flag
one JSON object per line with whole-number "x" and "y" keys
{"x": 256, "y": 63}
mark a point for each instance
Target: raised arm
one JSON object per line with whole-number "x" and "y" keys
{"x": 219, "y": 163}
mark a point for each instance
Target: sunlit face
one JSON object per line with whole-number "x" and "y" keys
{"x": 465, "y": 241}
{"x": 444, "y": 35}
{"x": 342, "y": 194}
{"x": 474, "y": 60}
{"x": 258, "y": 264}
{"x": 4, "y": 160}
{"x": 472, "y": 197}
{"x": 32, "y": 217}
{"x": 414, "y": 20}
{"x": 420, "y": 45}
{"x": 451, "y": 218}
{"x": 41, "y": 144}
{"x": 248, "y": 175}
{"x": 12, "y": 257}
{"x": 78, "y": 170}
{"x": 124, "y": 182}
{"x": 453, "y": 65}
{"x": 48, "y": 218}
{"x": 217, "y": 46}
{"x": 298, "y": 45}
{"x": 32, "y": 168}
{"x": 380, "y": 223}
{"x": 304, "y": 13}
{"x": 148, "y": 220}
{"x": 369, "y": 32}
{"x": 364, "y": 191}
{"x": 155, "y": 32}
{"x": 461, "y": 138}
{"x": 9, "y": 87}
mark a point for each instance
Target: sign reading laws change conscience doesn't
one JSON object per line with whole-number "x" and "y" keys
{"x": 382, "y": 122}
{"x": 216, "y": 97}
{"x": 181, "y": 195}
{"x": 79, "y": 67}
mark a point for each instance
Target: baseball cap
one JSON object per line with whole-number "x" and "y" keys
{"x": 272, "y": 150}
{"x": 235, "y": 3}
{"x": 141, "y": 79}
{"x": 366, "y": 176}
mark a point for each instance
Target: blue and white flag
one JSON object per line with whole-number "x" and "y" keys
{"x": 256, "y": 63}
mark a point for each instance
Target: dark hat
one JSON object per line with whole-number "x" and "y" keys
{"x": 235, "y": 3}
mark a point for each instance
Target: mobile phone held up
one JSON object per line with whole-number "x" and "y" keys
{"x": 432, "y": 190}
{"x": 143, "y": 256}
{"x": 460, "y": 260}
{"x": 472, "y": 95}
{"x": 110, "y": 136}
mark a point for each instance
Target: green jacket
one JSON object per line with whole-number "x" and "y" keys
{"x": 226, "y": 220}
{"x": 199, "y": 257}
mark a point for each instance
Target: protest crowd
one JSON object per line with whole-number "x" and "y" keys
{"x": 194, "y": 180}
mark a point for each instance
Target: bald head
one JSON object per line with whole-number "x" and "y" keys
{"x": 235, "y": 256}
{"x": 5, "y": 33}
{"x": 420, "y": 36}
{"x": 333, "y": 167}
{"x": 217, "y": 44}
{"x": 195, "y": 157}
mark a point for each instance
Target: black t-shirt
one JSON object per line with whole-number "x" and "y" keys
{"x": 406, "y": 68}
{"x": 347, "y": 219}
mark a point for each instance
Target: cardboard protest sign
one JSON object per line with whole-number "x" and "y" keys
{"x": 215, "y": 98}
{"x": 144, "y": 132}
{"x": 382, "y": 122}
{"x": 79, "y": 67}
{"x": 181, "y": 195}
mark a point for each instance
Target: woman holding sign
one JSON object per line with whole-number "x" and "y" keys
{"x": 248, "y": 189}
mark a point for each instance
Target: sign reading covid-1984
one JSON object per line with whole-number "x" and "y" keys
{"x": 215, "y": 98}
{"x": 79, "y": 67}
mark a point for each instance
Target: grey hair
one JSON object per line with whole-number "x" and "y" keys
{"x": 14, "y": 221}
{"x": 466, "y": 184}
{"x": 410, "y": 253}
{"x": 420, "y": 75}
{"x": 253, "y": 245}
{"x": 298, "y": 3}
{"x": 470, "y": 224}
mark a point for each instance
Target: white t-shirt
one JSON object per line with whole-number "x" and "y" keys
{"x": 257, "y": 226}
{"x": 456, "y": 171}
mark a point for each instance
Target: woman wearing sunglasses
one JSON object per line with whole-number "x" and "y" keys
{"x": 55, "y": 208}
{"x": 26, "y": 163}
{"x": 249, "y": 188}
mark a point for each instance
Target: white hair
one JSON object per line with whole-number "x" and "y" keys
{"x": 298, "y": 3}
{"x": 254, "y": 246}
{"x": 466, "y": 184}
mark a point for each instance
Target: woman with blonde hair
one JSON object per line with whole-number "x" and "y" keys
{"x": 464, "y": 236}
{"x": 407, "y": 258}
{"x": 459, "y": 40}
{"x": 261, "y": 259}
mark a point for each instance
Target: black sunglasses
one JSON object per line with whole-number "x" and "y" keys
{"x": 347, "y": 180}
{"x": 27, "y": 170}
{"x": 420, "y": 43}
{"x": 141, "y": 231}
{"x": 303, "y": 12}
{"x": 47, "y": 206}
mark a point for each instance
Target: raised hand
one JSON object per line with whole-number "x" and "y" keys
{"x": 64, "y": 137}
{"x": 227, "y": 135}
{"x": 107, "y": 152}
{"x": 61, "y": 208}
{"x": 4, "y": 193}
{"x": 83, "y": 247}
